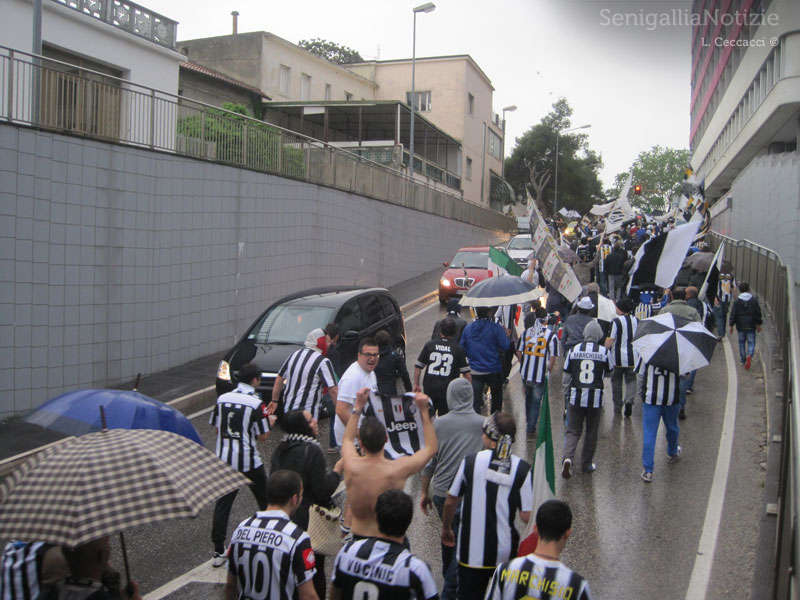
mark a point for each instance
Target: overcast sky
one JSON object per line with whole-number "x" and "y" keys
{"x": 624, "y": 66}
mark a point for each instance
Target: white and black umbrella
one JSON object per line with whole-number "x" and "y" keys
{"x": 674, "y": 343}
{"x": 501, "y": 291}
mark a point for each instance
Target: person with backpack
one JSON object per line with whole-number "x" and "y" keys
{"x": 746, "y": 316}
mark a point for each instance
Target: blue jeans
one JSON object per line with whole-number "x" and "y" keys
{"x": 749, "y": 337}
{"x": 651, "y": 416}
{"x": 533, "y": 401}
{"x": 720, "y": 313}
{"x": 449, "y": 562}
{"x": 602, "y": 281}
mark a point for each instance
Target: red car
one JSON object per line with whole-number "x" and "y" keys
{"x": 469, "y": 266}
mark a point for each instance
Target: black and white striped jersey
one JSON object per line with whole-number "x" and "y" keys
{"x": 240, "y": 417}
{"x": 534, "y": 577}
{"x": 659, "y": 386}
{"x": 270, "y": 556}
{"x": 380, "y": 569}
{"x": 588, "y": 362}
{"x": 725, "y": 287}
{"x": 445, "y": 360}
{"x": 623, "y": 328}
{"x": 306, "y": 371}
{"x": 403, "y": 423}
{"x": 490, "y": 500}
{"x": 537, "y": 345}
{"x": 20, "y": 569}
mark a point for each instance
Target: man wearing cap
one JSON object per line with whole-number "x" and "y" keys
{"x": 491, "y": 486}
{"x": 454, "y": 313}
{"x": 573, "y": 334}
{"x": 588, "y": 362}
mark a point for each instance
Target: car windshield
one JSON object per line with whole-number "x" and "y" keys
{"x": 289, "y": 324}
{"x": 521, "y": 243}
{"x": 471, "y": 260}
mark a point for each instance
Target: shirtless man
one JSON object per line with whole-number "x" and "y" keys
{"x": 367, "y": 477}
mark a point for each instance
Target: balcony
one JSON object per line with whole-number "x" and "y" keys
{"x": 130, "y": 17}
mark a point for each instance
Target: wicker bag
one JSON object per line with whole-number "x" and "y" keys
{"x": 324, "y": 530}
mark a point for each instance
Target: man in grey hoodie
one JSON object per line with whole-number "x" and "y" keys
{"x": 459, "y": 433}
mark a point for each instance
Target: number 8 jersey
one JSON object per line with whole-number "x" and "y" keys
{"x": 588, "y": 363}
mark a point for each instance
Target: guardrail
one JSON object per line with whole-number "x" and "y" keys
{"x": 774, "y": 283}
{"x": 57, "y": 96}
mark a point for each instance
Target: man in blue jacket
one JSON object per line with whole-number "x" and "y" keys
{"x": 485, "y": 342}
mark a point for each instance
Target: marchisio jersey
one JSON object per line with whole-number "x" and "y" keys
{"x": 588, "y": 362}
{"x": 534, "y": 577}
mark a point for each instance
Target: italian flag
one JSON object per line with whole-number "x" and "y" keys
{"x": 501, "y": 263}
{"x": 544, "y": 474}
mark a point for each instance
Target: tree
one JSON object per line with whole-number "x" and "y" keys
{"x": 336, "y": 53}
{"x": 660, "y": 173}
{"x": 532, "y": 164}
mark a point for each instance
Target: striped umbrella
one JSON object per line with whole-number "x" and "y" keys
{"x": 501, "y": 291}
{"x": 102, "y": 483}
{"x": 674, "y": 343}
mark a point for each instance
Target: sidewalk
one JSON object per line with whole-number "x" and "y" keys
{"x": 187, "y": 387}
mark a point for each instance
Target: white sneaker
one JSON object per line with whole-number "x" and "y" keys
{"x": 566, "y": 466}
{"x": 676, "y": 456}
{"x": 217, "y": 560}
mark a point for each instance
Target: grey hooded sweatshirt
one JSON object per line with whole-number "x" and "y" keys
{"x": 458, "y": 434}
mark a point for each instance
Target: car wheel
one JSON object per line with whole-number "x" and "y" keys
{"x": 442, "y": 300}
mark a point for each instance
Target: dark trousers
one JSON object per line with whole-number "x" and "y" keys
{"x": 495, "y": 383}
{"x": 222, "y": 509}
{"x": 449, "y": 562}
{"x": 439, "y": 404}
{"x": 472, "y": 583}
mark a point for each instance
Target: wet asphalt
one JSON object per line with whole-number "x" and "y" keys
{"x": 630, "y": 539}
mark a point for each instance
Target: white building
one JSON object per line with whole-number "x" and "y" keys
{"x": 745, "y": 120}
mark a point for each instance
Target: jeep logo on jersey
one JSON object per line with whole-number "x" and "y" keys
{"x": 405, "y": 426}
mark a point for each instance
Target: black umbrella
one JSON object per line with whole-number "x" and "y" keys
{"x": 674, "y": 343}
{"x": 501, "y": 291}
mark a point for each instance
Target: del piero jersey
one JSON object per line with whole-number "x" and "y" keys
{"x": 381, "y": 569}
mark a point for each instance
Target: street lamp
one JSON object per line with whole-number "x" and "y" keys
{"x": 558, "y": 136}
{"x": 511, "y": 108}
{"x": 422, "y": 8}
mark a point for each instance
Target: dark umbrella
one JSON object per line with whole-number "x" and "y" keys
{"x": 501, "y": 291}
{"x": 701, "y": 261}
{"x": 77, "y": 413}
{"x": 674, "y": 343}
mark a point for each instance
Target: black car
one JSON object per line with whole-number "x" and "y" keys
{"x": 283, "y": 327}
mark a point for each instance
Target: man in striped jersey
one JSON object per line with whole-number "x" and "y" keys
{"x": 304, "y": 374}
{"x": 722, "y": 301}
{"x": 270, "y": 556}
{"x": 381, "y": 567}
{"x": 620, "y": 343}
{"x": 587, "y": 363}
{"x": 536, "y": 352}
{"x": 542, "y": 574}
{"x": 661, "y": 402}
{"x": 241, "y": 419}
{"x": 491, "y": 487}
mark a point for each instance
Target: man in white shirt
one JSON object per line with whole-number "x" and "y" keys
{"x": 361, "y": 374}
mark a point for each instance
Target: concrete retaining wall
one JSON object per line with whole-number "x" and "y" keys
{"x": 116, "y": 261}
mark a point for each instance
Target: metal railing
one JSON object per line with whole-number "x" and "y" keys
{"x": 57, "y": 96}
{"x": 774, "y": 283}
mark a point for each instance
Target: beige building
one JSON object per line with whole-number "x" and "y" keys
{"x": 454, "y": 94}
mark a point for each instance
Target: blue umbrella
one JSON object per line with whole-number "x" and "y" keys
{"x": 501, "y": 291}
{"x": 77, "y": 413}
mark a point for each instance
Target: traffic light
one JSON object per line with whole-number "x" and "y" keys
{"x": 637, "y": 190}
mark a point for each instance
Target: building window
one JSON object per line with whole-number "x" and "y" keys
{"x": 327, "y": 91}
{"x": 495, "y": 144}
{"x": 423, "y": 103}
{"x": 283, "y": 84}
{"x": 470, "y": 104}
{"x": 348, "y": 96}
{"x": 305, "y": 87}
{"x": 468, "y": 168}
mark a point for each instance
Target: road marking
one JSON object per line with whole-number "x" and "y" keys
{"x": 204, "y": 573}
{"x": 419, "y": 312}
{"x": 200, "y": 413}
{"x": 190, "y": 395}
{"x": 701, "y": 573}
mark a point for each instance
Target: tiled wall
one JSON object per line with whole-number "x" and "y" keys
{"x": 116, "y": 261}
